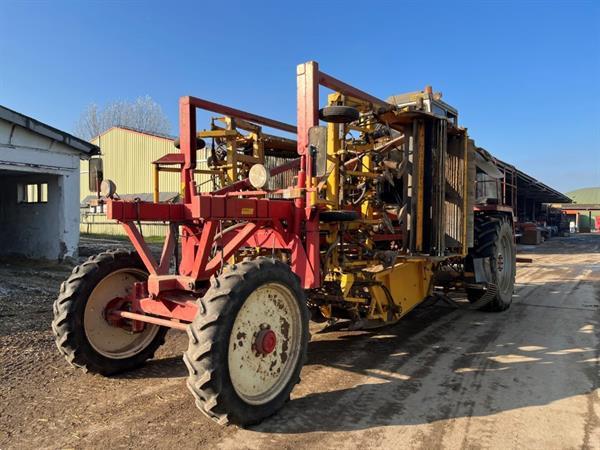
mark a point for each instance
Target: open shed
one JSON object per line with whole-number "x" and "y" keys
{"x": 526, "y": 195}
{"x": 39, "y": 187}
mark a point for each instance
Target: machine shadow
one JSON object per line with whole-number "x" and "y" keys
{"x": 407, "y": 373}
{"x": 410, "y": 374}
{"x": 319, "y": 352}
{"x": 170, "y": 367}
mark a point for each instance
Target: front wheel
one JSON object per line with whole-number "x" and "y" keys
{"x": 248, "y": 342}
{"x": 82, "y": 332}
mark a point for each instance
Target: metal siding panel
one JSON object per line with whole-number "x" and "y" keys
{"x": 128, "y": 157}
{"x": 128, "y": 160}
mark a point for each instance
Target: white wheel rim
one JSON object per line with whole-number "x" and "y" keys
{"x": 110, "y": 341}
{"x": 259, "y": 378}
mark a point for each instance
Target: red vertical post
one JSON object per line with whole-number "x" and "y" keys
{"x": 308, "y": 116}
{"x": 204, "y": 248}
{"x": 308, "y": 106}
{"x": 187, "y": 137}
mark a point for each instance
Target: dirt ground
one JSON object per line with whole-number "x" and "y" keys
{"x": 442, "y": 378}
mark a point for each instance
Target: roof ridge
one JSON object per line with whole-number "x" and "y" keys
{"x": 134, "y": 130}
{"x": 48, "y": 131}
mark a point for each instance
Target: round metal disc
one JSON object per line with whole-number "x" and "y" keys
{"x": 114, "y": 342}
{"x": 258, "y": 176}
{"x": 257, "y": 377}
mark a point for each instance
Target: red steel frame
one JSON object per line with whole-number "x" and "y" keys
{"x": 169, "y": 300}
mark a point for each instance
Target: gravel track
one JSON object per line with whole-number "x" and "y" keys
{"x": 441, "y": 378}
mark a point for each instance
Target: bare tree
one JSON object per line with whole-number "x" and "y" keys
{"x": 143, "y": 114}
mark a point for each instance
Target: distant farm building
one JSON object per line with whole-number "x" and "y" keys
{"x": 584, "y": 212}
{"x": 127, "y": 157}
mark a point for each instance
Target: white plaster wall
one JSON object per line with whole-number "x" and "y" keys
{"x": 42, "y": 230}
{"x": 69, "y": 216}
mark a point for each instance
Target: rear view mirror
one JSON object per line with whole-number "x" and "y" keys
{"x": 317, "y": 142}
{"x": 96, "y": 174}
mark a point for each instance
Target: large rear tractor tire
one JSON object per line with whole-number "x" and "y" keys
{"x": 80, "y": 327}
{"x": 494, "y": 239}
{"x": 248, "y": 342}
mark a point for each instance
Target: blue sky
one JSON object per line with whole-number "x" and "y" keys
{"x": 524, "y": 75}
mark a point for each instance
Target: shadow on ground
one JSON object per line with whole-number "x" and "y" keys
{"x": 438, "y": 364}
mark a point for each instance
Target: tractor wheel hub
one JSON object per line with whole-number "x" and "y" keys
{"x": 265, "y": 342}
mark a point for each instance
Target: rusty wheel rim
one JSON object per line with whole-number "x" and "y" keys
{"x": 264, "y": 344}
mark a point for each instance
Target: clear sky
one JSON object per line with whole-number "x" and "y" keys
{"x": 524, "y": 75}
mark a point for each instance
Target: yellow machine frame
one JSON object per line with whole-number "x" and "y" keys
{"x": 391, "y": 291}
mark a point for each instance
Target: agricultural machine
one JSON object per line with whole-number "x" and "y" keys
{"x": 380, "y": 212}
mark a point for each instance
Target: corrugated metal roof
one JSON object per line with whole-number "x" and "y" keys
{"x": 586, "y": 195}
{"x": 527, "y": 185}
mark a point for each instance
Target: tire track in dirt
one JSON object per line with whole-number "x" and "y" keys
{"x": 466, "y": 418}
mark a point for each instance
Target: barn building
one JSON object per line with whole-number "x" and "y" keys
{"x": 39, "y": 187}
{"x": 127, "y": 157}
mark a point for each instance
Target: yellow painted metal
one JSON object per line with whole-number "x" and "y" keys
{"x": 367, "y": 170}
{"x": 333, "y": 161}
{"x": 408, "y": 282}
{"x": 346, "y": 281}
{"x": 394, "y": 291}
{"x": 232, "y": 169}
{"x": 333, "y": 164}
{"x": 237, "y": 164}
{"x": 370, "y": 291}
{"x": 356, "y": 300}
{"x": 314, "y": 200}
{"x": 217, "y": 133}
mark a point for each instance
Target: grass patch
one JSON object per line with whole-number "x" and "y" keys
{"x": 121, "y": 238}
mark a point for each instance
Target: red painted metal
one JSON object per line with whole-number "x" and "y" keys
{"x": 292, "y": 226}
{"x": 157, "y": 284}
{"x": 232, "y": 246}
{"x": 343, "y": 88}
{"x": 307, "y": 102}
{"x": 170, "y": 158}
{"x": 128, "y": 211}
{"x": 265, "y": 342}
{"x": 204, "y": 248}
{"x": 187, "y": 137}
{"x": 167, "y": 251}
{"x": 142, "y": 248}
{"x": 239, "y": 114}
